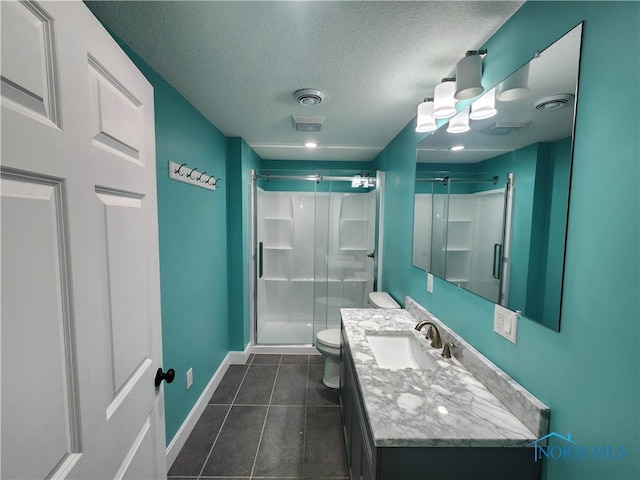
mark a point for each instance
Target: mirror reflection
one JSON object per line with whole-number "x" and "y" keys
{"x": 490, "y": 215}
{"x": 463, "y": 215}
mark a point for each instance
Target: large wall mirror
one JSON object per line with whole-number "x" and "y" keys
{"x": 491, "y": 214}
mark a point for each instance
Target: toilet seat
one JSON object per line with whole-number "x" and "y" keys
{"x": 330, "y": 337}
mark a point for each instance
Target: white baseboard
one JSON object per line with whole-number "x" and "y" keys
{"x": 181, "y": 436}
{"x": 285, "y": 349}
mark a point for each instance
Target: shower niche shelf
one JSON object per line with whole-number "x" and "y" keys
{"x": 459, "y": 234}
{"x": 278, "y": 232}
{"x": 458, "y": 265}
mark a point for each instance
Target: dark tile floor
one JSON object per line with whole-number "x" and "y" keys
{"x": 270, "y": 419}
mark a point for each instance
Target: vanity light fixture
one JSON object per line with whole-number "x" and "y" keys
{"x": 444, "y": 102}
{"x": 484, "y": 107}
{"x": 425, "y": 121}
{"x": 460, "y": 123}
{"x": 311, "y": 145}
{"x": 514, "y": 87}
{"x": 469, "y": 75}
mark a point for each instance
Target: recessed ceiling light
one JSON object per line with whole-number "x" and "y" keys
{"x": 456, "y": 148}
{"x": 311, "y": 145}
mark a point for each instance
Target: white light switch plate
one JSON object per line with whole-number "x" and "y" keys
{"x": 429, "y": 283}
{"x": 189, "y": 378}
{"x": 505, "y": 323}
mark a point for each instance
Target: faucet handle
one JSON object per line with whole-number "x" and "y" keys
{"x": 446, "y": 350}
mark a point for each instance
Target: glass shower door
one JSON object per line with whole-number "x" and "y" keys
{"x": 314, "y": 255}
{"x": 439, "y": 219}
{"x": 344, "y": 249}
{"x": 285, "y": 260}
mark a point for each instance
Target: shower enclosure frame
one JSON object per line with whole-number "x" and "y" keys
{"x": 306, "y": 347}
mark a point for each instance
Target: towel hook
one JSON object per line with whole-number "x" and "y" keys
{"x": 180, "y": 168}
{"x": 189, "y": 175}
{"x": 201, "y": 176}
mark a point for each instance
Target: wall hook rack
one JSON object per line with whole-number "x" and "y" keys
{"x": 192, "y": 176}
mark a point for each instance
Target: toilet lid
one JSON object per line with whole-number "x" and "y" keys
{"x": 383, "y": 300}
{"x": 330, "y": 338}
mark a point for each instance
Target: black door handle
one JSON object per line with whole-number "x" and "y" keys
{"x": 168, "y": 377}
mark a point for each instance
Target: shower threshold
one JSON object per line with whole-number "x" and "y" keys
{"x": 293, "y": 336}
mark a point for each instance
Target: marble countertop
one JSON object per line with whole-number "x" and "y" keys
{"x": 444, "y": 407}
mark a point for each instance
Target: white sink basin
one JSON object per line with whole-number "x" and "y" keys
{"x": 399, "y": 350}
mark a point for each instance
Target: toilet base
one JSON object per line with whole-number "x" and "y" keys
{"x": 331, "y": 377}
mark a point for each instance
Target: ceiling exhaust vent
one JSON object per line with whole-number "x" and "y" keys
{"x": 308, "y": 96}
{"x": 503, "y": 128}
{"x": 554, "y": 102}
{"x": 307, "y": 124}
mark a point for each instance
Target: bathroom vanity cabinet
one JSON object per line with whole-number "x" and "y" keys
{"x": 367, "y": 461}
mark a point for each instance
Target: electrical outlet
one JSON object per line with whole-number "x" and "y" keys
{"x": 189, "y": 378}
{"x": 430, "y": 282}
{"x": 505, "y": 323}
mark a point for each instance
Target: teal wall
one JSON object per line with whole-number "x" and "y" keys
{"x": 242, "y": 159}
{"x": 588, "y": 373}
{"x": 193, "y": 247}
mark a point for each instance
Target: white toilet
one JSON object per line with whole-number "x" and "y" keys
{"x": 328, "y": 341}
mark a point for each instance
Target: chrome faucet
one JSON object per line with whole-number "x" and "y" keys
{"x": 432, "y": 334}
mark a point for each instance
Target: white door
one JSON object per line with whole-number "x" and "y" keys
{"x": 80, "y": 324}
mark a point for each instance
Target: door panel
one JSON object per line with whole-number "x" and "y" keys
{"x": 81, "y": 336}
{"x": 121, "y": 216}
{"x": 117, "y": 118}
{"x": 30, "y": 67}
{"x": 33, "y": 216}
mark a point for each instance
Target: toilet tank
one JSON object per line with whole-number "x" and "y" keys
{"x": 382, "y": 300}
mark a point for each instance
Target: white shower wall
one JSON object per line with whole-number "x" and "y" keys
{"x": 315, "y": 261}
{"x": 469, "y": 225}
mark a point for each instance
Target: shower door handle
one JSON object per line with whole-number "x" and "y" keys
{"x": 260, "y": 256}
{"x": 497, "y": 260}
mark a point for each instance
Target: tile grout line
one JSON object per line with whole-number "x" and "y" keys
{"x": 206, "y": 460}
{"x": 304, "y": 428}
{"x": 264, "y": 423}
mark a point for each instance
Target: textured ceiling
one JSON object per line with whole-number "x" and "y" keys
{"x": 240, "y": 62}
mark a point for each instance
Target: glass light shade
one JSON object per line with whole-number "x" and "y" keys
{"x": 460, "y": 123}
{"x": 514, "y": 87}
{"x": 469, "y": 77}
{"x": 484, "y": 107}
{"x": 425, "y": 121}
{"x": 444, "y": 103}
